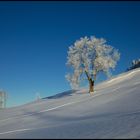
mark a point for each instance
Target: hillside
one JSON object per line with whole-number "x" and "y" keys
{"x": 112, "y": 112}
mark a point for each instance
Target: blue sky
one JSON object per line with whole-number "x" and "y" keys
{"x": 35, "y": 36}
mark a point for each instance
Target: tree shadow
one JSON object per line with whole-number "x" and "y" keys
{"x": 62, "y": 94}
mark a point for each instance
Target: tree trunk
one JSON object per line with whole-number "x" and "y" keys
{"x": 91, "y": 86}
{"x": 91, "y": 83}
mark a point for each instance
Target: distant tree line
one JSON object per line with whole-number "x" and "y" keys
{"x": 135, "y": 64}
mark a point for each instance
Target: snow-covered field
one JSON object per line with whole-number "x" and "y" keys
{"x": 113, "y": 111}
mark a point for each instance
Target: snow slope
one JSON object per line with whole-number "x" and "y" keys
{"x": 113, "y": 111}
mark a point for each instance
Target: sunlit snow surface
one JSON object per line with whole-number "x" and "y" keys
{"x": 113, "y": 111}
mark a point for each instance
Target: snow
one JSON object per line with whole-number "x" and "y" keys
{"x": 113, "y": 111}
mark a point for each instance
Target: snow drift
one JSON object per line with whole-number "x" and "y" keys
{"x": 113, "y": 111}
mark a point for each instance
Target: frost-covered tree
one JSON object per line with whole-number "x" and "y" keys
{"x": 89, "y": 56}
{"x": 135, "y": 64}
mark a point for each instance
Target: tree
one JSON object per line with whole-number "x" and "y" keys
{"x": 89, "y": 56}
{"x": 135, "y": 64}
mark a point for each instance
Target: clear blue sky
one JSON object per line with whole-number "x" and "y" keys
{"x": 35, "y": 36}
